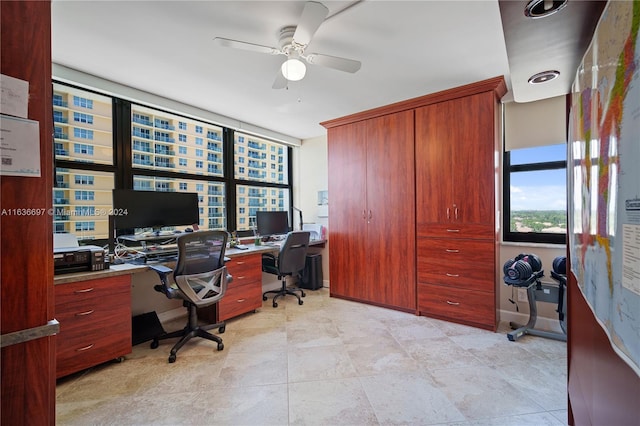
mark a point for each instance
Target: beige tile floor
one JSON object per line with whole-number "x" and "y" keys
{"x": 328, "y": 362}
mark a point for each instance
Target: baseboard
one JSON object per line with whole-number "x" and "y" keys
{"x": 542, "y": 323}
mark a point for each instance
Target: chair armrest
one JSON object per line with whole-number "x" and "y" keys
{"x": 162, "y": 270}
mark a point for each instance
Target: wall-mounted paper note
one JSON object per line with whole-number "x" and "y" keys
{"x": 19, "y": 147}
{"x": 14, "y": 96}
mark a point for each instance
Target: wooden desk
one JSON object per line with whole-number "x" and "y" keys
{"x": 94, "y": 308}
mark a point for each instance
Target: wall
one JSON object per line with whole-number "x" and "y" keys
{"x": 310, "y": 176}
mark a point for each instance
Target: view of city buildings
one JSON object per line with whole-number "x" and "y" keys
{"x": 160, "y": 142}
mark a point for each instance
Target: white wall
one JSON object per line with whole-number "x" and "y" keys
{"x": 310, "y": 169}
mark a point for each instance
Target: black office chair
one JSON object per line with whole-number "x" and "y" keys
{"x": 200, "y": 280}
{"x": 289, "y": 262}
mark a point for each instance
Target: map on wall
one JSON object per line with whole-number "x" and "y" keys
{"x": 604, "y": 177}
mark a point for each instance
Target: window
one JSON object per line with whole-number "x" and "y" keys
{"x": 86, "y": 164}
{"x": 535, "y": 194}
{"x": 82, "y": 118}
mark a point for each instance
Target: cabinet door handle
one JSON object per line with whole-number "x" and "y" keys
{"x": 85, "y": 348}
{"x": 453, "y": 275}
{"x": 452, "y": 303}
{"x": 370, "y": 215}
{"x": 455, "y": 213}
{"x": 453, "y": 251}
{"x": 364, "y": 214}
{"x": 81, "y": 314}
{"x": 86, "y": 290}
{"x": 453, "y": 230}
{"x": 240, "y": 300}
{"x": 448, "y": 213}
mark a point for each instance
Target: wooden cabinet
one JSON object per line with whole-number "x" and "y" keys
{"x": 95, "y": 322}
{"x": 456, "y": 186}
{"x": 244, "y": 293}
{"x": 372, "y": 210}
{"x": 412, "y": 217}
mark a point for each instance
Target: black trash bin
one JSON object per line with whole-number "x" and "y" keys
{"x": 312, "y": 274}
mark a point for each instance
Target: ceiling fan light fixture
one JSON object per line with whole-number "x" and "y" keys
{"x": 543, "y": 77}
{"x": 541, "y": 8}
{"x": 293, "y": 69}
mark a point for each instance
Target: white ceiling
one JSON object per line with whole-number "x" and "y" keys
{"x": 407, "y": 49}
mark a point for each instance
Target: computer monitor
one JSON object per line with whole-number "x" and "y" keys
{"x": 272, "y": 223}
{"x": 154, "y": 209}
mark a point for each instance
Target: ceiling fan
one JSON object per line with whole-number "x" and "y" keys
{"x": 293, "y": 42}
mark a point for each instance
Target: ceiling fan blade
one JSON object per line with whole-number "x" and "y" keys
{"x": 226, "y": 42}
{"x": 312, "y": 16}
{"x": 280, "y": 82}
{"x": 342, "y": 64}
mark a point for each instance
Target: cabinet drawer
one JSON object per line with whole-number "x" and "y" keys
{"x": 88, "y": 313}
{"x": 93, "y": 344}
{"x": 245, "y": 270}
{"x": 472, "y": 231}
{"x": 240, "y": 300}
{"x": 458, "y": 305}
{"x": 98, "y": 289}
{"x": 461, "y": 263}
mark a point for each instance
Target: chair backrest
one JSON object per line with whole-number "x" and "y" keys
{"x": 293, "y": 252}
{"x": 200, "y": 272}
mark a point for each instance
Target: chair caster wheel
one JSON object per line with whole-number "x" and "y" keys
{"x": 220, "y": 346}
{"x": 222, "y": 329}
{"x": 300, "y": 302}
{"x": 154, "y": 344}
{"x": 172, "y": 359}
{"x": 275, "y": 305}
{"x": 304, "y": 294}
{"x": 264, "y": 298}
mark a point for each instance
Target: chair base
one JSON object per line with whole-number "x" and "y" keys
{"x": 192, "y": 329}
{"x": 283, "y": 292}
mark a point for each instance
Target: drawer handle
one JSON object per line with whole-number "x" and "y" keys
{"x": 81, "y": 314}
{"x": 453, "y": 275}
{"x": 453, "y": 230}
{"x": 453, "y": 251}
{"x": 85, "y": 348}
{"x": 239, "y": 263}
{"x": 452, "y": 303}
{"x": 241, "y": 300}
{"x": 86, "y": 290}
{"x": 241, "y": 278}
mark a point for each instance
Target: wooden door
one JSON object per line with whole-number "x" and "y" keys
{"x": 391, "y": 210}
{"x": 347, "y": 209}
{"x": 471, "y": 130}
{"x": 26, "y": 241}
{"x": 434, "y": 184}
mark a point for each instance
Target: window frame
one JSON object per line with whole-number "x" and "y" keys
{"x": 509, "y": 236}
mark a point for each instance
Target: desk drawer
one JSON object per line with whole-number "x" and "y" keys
{"x": 245, "y": 270}
{"x": 458, "y": 305}
{"x": 240, "y": 300}
{"x": 92, "y": 344}
{"x": 104, "y": 312}
{"x": 92, "y": 289}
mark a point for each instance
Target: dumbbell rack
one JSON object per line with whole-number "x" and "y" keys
{"x": 536, "y": 292}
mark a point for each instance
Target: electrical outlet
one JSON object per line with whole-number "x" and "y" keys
{"x": 522, "y": 295}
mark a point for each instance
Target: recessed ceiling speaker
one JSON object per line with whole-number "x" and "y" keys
{"x": 541, "y": 8}
{"x": 543, "y": 77}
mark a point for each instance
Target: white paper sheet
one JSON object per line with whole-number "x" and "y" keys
{"x": 19, "y": 147}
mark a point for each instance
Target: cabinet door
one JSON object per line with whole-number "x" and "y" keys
{"x": 434, "y": 185}
{"x": 391, "y": 211}
{"x": 347, "y": 209}
{"x": 475, "y": 162}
